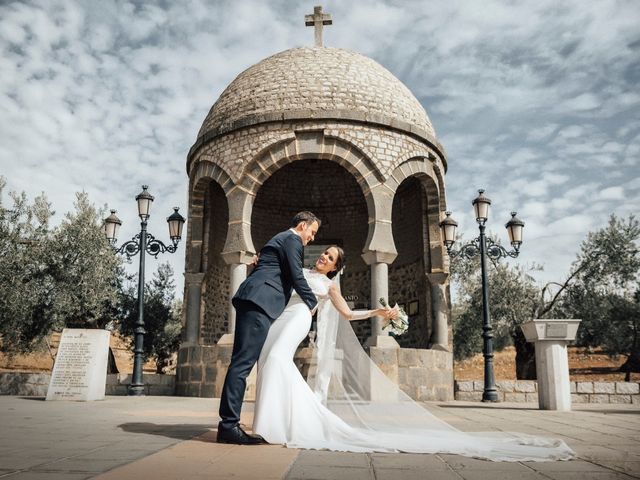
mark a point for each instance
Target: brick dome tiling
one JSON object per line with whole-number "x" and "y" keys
{"x": 317, "y": 83}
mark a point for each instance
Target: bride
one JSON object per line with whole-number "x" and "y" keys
{"x": 349, "y": 404}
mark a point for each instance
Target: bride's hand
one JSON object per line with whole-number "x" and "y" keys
{"x": 387, "y": 314}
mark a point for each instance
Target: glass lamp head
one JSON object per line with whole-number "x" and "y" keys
{"x": 481, "y": 206}
{"x": 111, "y": 226}
{"x": 176, "y": 222}
{"x": 515, "y": 227}
{"x": 144, "y": 199}
{"x": 449, "y": 227}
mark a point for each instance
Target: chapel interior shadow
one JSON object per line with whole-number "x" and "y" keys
{"x": 332, "y": 193}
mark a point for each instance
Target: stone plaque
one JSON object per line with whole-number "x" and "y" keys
{"x": 80, "y": 369}
{"x": 556, "y": 330}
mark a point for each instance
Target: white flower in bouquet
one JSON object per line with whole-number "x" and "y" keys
{"x": 398, "y": 325}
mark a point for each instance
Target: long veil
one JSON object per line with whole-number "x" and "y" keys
{"x": 352, "y": 386}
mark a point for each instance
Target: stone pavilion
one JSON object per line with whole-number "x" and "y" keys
{"x": 330, "y": 131}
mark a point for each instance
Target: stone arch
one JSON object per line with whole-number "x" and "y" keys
{"x": 407, "y": 274}
{"x": 315, "y": 144}
{"x": 433, "y": 187}
{"x": 200, "y": 180}
{"x": 309, "y": 144}
{"x": 331, "y": 192}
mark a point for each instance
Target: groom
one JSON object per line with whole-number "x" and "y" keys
{"x": 260, "y": 299}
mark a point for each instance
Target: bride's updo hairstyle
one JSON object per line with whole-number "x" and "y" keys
{"x": 340, "y": 261}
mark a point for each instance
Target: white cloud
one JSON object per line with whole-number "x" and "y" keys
{"x": 106, "y": 96}
{"x": 584, "y": 101}
{"x": 612, "y": 193}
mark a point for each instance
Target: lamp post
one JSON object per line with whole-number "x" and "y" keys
{"x": 485, "y": 247}
{"x": 142, "y": 243}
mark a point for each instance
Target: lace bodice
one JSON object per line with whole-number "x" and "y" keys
{"x": 318, "y": 283}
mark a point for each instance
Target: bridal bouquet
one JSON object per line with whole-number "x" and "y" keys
{"x": 398, "y": 325}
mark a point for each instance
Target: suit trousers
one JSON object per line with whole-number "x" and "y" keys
{"x": 252, "y": 326}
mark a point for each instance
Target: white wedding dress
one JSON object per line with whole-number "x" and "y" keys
{"x": 350, "y": 405}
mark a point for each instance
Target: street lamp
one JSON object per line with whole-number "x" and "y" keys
{"x": 142, "y": 242}
{"x": 485, "y": 247}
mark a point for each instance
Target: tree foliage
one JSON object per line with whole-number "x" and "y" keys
{"x": 52, "y": 278}
{"x": 27, "y": 281}
{"x": 602, "y": 289}
{"x": 162, "y": 315}
{"x": 606, "y": 292}
{"x": 512, "y": 294}
{"x": 86, "y": 268}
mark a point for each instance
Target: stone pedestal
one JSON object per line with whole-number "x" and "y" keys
{"x": 552, "y": 365}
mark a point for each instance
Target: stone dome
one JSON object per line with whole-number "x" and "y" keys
{"x": 317, "y": 83}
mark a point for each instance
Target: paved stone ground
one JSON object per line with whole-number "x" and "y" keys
{"x": 173, "y": 438}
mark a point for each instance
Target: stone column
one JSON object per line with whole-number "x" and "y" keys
{"x": 237, "y": 262}
{"x": 379, "y": 263}
{"x": 238, "y": 249}
{"x": 379, "y": 289}
{"x": 193, "y": 288}
{"x": 379, "y": 252}
{"x": 440, "y": 333}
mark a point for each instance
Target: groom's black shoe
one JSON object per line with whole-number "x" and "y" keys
{"x": 238, "y": 436}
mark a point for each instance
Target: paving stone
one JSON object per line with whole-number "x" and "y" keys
{"x": 328, "y": 472}
{"x": 408, "y": 461}
{"x": 393, "y": 474}
{"x": 457, "y": 462}
{"x": 50, "y": 476}
{"x": 496, "y": 475}
{"x": 608, "y": 475}
{"x": 137, "y": 432}
{"x": 314, "y": 457}
{"x": 569, "y": 466}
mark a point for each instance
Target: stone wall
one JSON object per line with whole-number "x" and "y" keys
{"x": 407, "y": 281}
{"x": 24, "y": 384}
{"x": 155, "y": 385}
{"x": 357, "y": 284}
{"x": 234, "y": 150}
{"x": 216, "y": 283}
{"x": 201, "y": 370}
{"x": 424, "y": 375}
{"x": 37, "y": 384}
{"x": 527, "y": 391}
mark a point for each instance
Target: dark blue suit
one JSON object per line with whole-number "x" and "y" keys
{"x": 260, "y": 299}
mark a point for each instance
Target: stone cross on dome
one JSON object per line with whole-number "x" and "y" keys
{"x": 318, "y": 20}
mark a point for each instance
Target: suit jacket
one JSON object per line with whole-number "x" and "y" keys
{"x": 278, "y": 272}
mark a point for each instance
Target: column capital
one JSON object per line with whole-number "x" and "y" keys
{"x": 193, "y": 277}
{"x": 437, "y": 278}
{"x": 240, "y": 256}
{"x": 377, "y": 256}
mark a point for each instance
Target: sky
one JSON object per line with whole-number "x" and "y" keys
{"x": 536, "y": 102}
